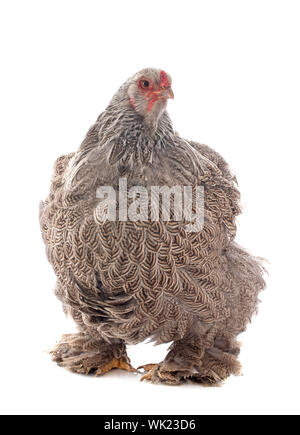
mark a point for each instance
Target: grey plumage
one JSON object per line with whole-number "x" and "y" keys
{"x": 124, "y": 282}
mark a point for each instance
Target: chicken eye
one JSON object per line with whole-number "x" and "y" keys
{"x": 144, "y": 84}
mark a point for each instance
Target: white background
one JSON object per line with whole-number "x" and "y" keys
{"x": 236, "y": 78}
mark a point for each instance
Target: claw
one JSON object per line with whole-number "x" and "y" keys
{"x": 147, "y": 368}
{"x": 147, "y": 377}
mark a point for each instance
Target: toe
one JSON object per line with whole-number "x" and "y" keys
{"x": 121, "y": 364}
{"x": 147, "y": 367}
{"x": 125, "y": 365}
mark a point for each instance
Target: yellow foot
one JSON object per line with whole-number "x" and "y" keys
{"x": 147, "y": 368}
{"x": 121, "y": 364}
{"x": 85, "y": 355}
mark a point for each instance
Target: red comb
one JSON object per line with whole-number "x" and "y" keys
{"x": 164, "y": 81}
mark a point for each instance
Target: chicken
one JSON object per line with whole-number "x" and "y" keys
{"x": 125, "y": 280}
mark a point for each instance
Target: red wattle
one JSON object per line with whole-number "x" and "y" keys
{"x": 152, "y": 101}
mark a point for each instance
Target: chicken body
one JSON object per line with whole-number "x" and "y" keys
{"x": 126, "y": 281}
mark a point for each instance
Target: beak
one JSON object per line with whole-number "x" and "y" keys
{"x": 168, "y": 93}
{"x": 164, "y": 94}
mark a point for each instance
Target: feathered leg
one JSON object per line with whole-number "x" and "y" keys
{"x": 85, "y": 355}
{"x": 189, "y": 359}
{"x": 210, "y": 357}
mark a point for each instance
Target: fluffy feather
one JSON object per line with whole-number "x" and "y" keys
{"x": 124, "y": 282}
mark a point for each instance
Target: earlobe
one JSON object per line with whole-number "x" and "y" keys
{"x": 132, "y": 103}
